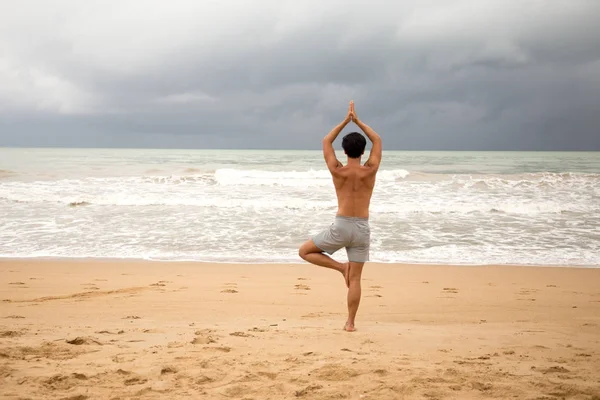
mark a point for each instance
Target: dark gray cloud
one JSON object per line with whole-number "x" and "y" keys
{"x": 499, "y": 74}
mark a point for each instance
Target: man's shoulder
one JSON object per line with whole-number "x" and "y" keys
{"x": 368, "y": 170}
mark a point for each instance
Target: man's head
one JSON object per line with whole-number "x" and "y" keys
{"x": 354, "y": 144}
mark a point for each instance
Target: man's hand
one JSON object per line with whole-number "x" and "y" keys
{"x": 353, "y": 113}
{"x": 349, "y": 115}
{"x": 375, "y": 155}
{"x": 332, "y": 162}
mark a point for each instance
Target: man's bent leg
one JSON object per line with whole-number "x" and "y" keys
{"x": 354, "y": 292}
{"x": 314, "y": 255}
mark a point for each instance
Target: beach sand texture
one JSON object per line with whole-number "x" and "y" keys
{"x": 150, "y": 330}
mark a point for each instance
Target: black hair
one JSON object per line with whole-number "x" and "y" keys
{"x": 354, "y": 144}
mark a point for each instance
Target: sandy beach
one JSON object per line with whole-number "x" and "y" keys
{"x": 151, "y": 330}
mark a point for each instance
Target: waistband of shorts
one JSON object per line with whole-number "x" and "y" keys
{"x": 359, "y": 219}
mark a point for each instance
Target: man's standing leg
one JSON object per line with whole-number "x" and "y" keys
{"x": 354, "y": 293}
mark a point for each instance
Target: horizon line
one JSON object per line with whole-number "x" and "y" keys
{"x": 288, "y": 149}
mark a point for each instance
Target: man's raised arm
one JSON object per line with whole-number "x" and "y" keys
{"x": 328, "y": 151}
{"x": 375, "y": 155}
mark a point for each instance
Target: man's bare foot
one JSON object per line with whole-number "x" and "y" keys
{"x": 347, "y": 273}
{"x": 349, "y": 327}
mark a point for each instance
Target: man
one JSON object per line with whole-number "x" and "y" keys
{"x": 353, "y": 186}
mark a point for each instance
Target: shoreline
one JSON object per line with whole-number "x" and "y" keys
{"x": 49, "y": 259}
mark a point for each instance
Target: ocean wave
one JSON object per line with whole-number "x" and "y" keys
{"x": 440, "y": 206}
{"x": 321, "y": 177}
{"x": 250, "y": 204}
{"x": 507, "y": 207}
{"x": 207, "y": 179}
{"x": 399, "y": 191}
{"x": 446, "y": 254}
{"x": 527, "y": 180}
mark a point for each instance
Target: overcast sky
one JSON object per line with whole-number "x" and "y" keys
{"x": 426, "y": 74}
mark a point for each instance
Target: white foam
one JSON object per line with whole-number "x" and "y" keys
{"x": 244, "y": 177}
{"x": 263, "y": 214}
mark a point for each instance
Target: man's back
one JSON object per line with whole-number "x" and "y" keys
{"x": 354, "y": 185}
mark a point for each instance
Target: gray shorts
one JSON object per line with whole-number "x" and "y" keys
{"x": 353, "y": 233}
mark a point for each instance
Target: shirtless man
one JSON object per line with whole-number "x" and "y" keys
{"x": 353, "y": 186}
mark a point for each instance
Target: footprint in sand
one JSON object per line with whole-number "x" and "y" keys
{"x": 106, "y": 332}
{"x": 123, "y": 372}
{"x": 230, "y": 288}
{"x": 10, "y": 334}
{"x": 552, "y": 370}
{"x": 526, "y": 292}
{"x": 135, "y": 381}
{"x": 64, "y": 382}
{"x": 50, "y": 351}
{"x": 256, "y": 329}
{"x": 221, "y": 349}
{"x": 168, "y": 370}
{"x": 375, "y": 288}
{"x": 205, "y": 336}
{"x": 87, "y": 341}
{"x": 334, "y": 373}
{"x": 482, "y": 387}
{"x": 241, "y": 334}
{"x": 271, "y": 375}
{"x": 307, "y": 390}
{"x": 448, "y": 290}
{"x": 152, "y": 331}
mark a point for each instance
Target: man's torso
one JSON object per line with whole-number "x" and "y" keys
{"x": 354, "y": 187}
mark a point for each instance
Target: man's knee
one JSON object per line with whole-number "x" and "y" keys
{"x": 308, "y": 248}
{"x": 304, "y": 250}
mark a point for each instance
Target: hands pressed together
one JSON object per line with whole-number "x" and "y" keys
{"x": 375, "y": 155}
{"x": 351, "y": 116}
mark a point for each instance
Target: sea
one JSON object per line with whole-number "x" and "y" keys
{"x": 259, "y": 206}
